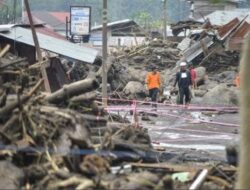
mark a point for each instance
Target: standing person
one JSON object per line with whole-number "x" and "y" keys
{"x": 183, "y": 78}
{"x": 193, "y": 76}
{"x": 153, "y": 82}
{"x": 237, "y": 80}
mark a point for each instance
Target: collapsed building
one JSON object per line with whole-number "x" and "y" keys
{"x": 67, "y": 139}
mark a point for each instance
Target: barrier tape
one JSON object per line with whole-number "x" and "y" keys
{"x": 165, "y": 109}
{"x": 171, "y": 105}
{"x": 172, "y": 115}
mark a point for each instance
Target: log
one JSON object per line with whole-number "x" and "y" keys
{"x": 199, "y": 180}
{"x": 5, "y": 50}
{"x": 94, "y": 121}
{"x": 74, "y": 89}
{"x": 83, "y": 98}
{"x": 5, "y": 65}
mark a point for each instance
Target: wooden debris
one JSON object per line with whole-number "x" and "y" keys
{"x": 5, "y": 50}
{"x": 73, "y": 89}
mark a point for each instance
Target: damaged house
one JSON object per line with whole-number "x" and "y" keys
{"x": 54, "y": 48}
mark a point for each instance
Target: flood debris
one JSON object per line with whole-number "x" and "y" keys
{"x": 65, "y": 139}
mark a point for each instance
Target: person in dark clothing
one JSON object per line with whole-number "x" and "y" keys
{"x": 183, "y": 78}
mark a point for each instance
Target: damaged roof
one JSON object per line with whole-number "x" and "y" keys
{"x": 225, "y": 30}
{"x": 237, "y": 39}
{"x": 113, "y": 24}
{"x": 52, "y": 44}
{"x": 223, "y": 17}
{"x": 196, "y": 49}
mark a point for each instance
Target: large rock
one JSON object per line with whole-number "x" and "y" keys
{"x": 226, "y": 77}
{"x": 222, "y": 95}
{"x": 199, "y": 93}
{"x": 136, "y": 75}
{"x": 201, "y": 74}
{"x": 208, "y": 85}
{"x": 11, "y": 177}
{"x": 135, "y": 88}
{"x": 138, "y": 59}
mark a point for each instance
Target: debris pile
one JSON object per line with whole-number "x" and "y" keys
{"x": 128, "y": 72}
{"x": 210, "y": 49}
{"x": 66, "y": 140}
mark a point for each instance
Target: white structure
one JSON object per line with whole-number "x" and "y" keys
{"x": 124, "y": 33}
{"x": 223, "y": 17}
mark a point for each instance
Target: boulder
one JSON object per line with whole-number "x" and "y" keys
{"x": 138, "y": 59}
{"x": 208, "y": 85}
{"x": 200, "y": 93}
{"x": 11, "y": 177}
{"x": 136, "y": 75}
{"x": 201, "y": 74}
{"x": 222, "y": 95}
{"x": 226, "y": 77}
{"x": 135, "y": 88}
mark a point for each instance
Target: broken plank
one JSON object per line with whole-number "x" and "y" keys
{"x": 5, "y": 65}
{"x": 5, "y": 50}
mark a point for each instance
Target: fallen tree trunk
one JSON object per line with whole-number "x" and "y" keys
{"x": 73, "y": 89}
{"x": 83, "y": 98}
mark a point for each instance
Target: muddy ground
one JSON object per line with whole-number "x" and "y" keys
{"x": 182, "y": 140}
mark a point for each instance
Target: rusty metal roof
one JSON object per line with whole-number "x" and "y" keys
{"x": 242, "y": 31}
{"x": 225, "y": 30}
{"x": 237, "y": 39}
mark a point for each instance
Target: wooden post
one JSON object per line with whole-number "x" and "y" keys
{"x": 104, "y": 53}
{"x": 67, "y": 28}
{"x": 37, "y": 46}
{"x": 165, "y": 19}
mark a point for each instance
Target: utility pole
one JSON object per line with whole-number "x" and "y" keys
{"x": 104, "y": 52}
{"x": 23, "y": 9}
{"x": 165, "y": 20}
{"x": 14, "y": 12}
{"x": 37, "y": 46}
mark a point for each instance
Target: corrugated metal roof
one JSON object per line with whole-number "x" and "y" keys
{"x": 242, "y": 31}
{"x": 196, "y": 49}
{"x": 238, "y": 37}
{"x": 47, "y": 31}
{"x": 61, "y": 16}
{"x": 110, "y": 24}
{"x": 52, "y": 44}
{"x": 223, "y": 17}
{"x": 6, "y": 27}
{"x": 228, "y": 28}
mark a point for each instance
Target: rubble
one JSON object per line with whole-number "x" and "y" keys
{"x": 222, "y": 95}
{"x": 66, "y": 139}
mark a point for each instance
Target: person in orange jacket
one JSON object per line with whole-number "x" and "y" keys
{"x": 153, "y": 82}
{"x": 237, "y": 80}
